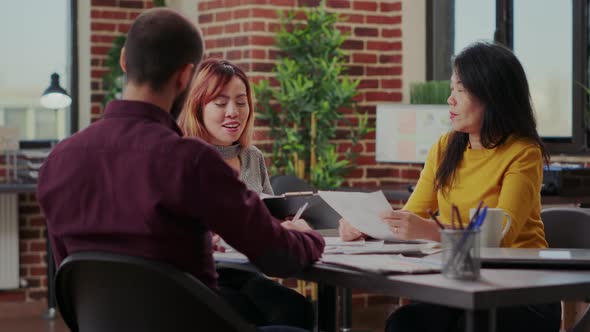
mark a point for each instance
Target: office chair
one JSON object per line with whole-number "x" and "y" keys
{"x": 98, "y": 291}
{"x": 569, "y": 228}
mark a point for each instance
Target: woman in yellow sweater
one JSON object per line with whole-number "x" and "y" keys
{"x": 493, "y": 154}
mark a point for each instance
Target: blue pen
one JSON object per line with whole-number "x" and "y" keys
{"x": 474, "y": 224}
{"x": 481, "y": 218}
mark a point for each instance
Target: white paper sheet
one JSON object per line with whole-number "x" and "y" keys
{"x": 376, "y": 248}
{"x": 383, "y": 264}
{"x": 333, "y": 241}
{"x": 361, "y": 210}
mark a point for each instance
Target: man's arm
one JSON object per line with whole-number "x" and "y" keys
{"x": 218, "y": 199}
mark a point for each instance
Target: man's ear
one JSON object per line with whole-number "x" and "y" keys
{"x": 122, "y": 61}
{"x": 185, "y": 76}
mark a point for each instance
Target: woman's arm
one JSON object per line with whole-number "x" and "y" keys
{"x": 521, "y": 189}
{"x": 424, "y": 196}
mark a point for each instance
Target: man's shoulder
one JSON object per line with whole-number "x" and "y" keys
{"x": 152, "y": 138}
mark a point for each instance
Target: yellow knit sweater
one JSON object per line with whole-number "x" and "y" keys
{"x": 507, "y": 177}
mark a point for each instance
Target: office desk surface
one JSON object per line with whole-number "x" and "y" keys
{"x": 496, "y": 288}
{"x": 16, "y": 188}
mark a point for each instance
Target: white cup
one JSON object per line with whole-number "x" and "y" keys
{"x": 493, "y": 228}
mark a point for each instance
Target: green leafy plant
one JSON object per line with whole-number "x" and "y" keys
{"x": 431, "y": 92}
{"x": 303, "y": 112}
{"x": 113, "y": 80}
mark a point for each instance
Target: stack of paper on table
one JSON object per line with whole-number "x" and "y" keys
{"x": 336, "y": 246}
{"x": 361, "y": 210}
{"x": 383, "y": 264}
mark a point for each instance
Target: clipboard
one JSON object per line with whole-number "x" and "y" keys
{"x": 287, "y": 204}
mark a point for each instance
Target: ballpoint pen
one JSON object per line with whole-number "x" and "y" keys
{"x": 433, "y": 215}
{"x": 300, "y": 212}
{"x": 456, "y": 209}
{"x": 476, "y": 214}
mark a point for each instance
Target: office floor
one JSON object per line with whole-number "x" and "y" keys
{"x": 28, "y": 317}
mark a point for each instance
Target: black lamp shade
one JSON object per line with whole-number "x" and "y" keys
{"x": 55, "y": 97}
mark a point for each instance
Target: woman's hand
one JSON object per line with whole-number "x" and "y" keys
{"x": 348, "y": 232}
{"x": 408, "y": 226}
{"x": 215, "y": 242}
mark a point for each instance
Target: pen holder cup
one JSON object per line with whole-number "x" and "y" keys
{"x": 460, "y": 255}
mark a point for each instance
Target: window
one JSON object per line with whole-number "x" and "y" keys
{"x": 40, "y": 41}
{"x": 550, "y": 39}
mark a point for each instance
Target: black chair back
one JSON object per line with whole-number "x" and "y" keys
{"x": 99, "y": 291}
{"x": 567, "y": 227}
{"x": 319, "y": 216}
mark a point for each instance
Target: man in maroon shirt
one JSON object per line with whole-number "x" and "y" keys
{"x": 129, "y": 183}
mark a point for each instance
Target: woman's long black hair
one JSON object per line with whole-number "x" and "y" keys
{"x": 492, "y": 74}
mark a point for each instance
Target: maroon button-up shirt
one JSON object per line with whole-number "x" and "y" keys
{"x": 131, "y": 184}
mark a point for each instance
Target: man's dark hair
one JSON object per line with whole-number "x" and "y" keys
{"x": 160, "y": 42}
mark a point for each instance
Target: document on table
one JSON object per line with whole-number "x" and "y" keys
{"x": 379, "y": 247}
{"x": 383, "y": 264}
{"x": 361, "y": 210}
{"x": 335, "y": 241}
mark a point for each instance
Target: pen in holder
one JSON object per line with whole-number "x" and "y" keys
{"x": 460, "y": 255}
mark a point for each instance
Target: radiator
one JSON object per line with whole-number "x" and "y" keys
{"x": 9, "y": 271}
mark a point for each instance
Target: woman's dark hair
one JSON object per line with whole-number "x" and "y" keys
{"x": 492, "y": 74}
{"x": 159, "y": 43}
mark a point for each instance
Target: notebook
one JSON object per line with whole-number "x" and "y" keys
{"x": 535, "y": 258}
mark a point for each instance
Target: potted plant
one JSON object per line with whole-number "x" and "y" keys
{"x": 303, "y": 111}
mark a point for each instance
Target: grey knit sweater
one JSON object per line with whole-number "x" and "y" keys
{"x": 252, "y": 170}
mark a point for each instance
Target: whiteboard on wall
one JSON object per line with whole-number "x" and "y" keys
{"x": 405, "y": 133}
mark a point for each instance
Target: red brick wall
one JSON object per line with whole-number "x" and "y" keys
{"x": 108, "y": 20}
{"x": 32, "y": 252}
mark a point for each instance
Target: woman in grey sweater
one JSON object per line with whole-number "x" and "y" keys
{"x": 218, "y": 109}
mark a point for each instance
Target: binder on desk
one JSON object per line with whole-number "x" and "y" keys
{"x": 287, "y": 204}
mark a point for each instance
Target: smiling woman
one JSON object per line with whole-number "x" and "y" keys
{"x": 218, "y": 109}
{"x": 227, "y": 114}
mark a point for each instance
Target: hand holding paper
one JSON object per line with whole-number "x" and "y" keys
{"x": 409, "y": 226}
{"x": 347, "y": 232}
{"x": 362, "y": 211}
